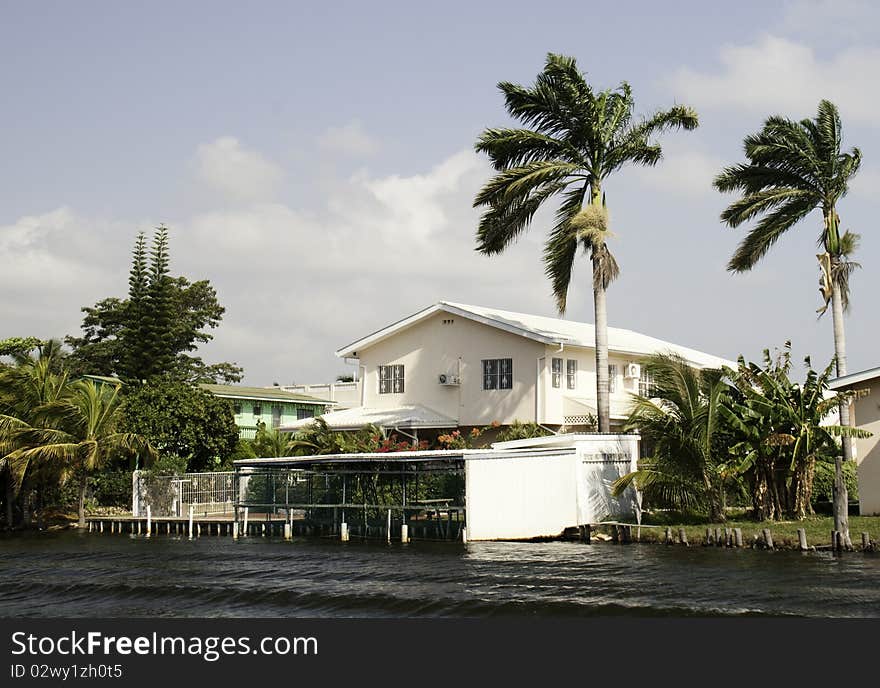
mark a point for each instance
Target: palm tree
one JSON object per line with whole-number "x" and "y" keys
{"x": 681, "y": 423}
{"x": 794, "y": 168}
{"x": 74, "y": 436}
{"x": 576, "y": 138}
{"x": 33, "y": 380}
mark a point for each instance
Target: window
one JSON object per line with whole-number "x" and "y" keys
{"x": 612, "y": 379}
{"x": 571, "y": 370}
{"x": 498, "y": 373}
{"x": 646, "y": 383}
{"x": 391, "y": 379}
{"x": 302, "y": 413}
{"x": 258, "y": 410}
{"x": 276, "y": 416}
{"x": 556, "y": 372}
{"x": 236, "y": 408}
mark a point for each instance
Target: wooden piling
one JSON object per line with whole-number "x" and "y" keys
{"x": 682, "y": 537}
{"x": 866, "y": 542}
{"x": 388, "y": 527}
{"x": 709, "y": 539}
{"x": 768, "y": 538}
{"x": 343, "y": 531}
{"x": 738, "y": 537}
{"x": 802, "y": 540}
{"x": 668, "y": 535}
{"x": 149, "y": 521}
{"x": 404, "y": 533}
{"x": 244, "y": 531}
{"x": 836, "y": 541}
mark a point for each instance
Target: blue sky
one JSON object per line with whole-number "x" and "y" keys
{"x": 317, "y": 165}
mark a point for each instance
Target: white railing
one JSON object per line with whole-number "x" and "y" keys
{"x": 172, "y": 495}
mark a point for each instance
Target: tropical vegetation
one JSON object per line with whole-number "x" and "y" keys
{"x": 794, "y": 168}
{"x": 574, "y": 138}
{"x": 750, "y": 436}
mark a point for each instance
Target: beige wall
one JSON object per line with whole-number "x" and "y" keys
{"x": 432, "y": 347}
{"x": 437, "y": 345}
{"x": 867, "y": 417}
{"x": 585, "y": 383}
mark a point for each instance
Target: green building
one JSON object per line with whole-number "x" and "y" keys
{"x": 272, "y": 406}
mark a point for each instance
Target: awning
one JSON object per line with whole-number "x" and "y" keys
{"x": 408, "y": 417}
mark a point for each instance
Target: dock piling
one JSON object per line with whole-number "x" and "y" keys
{"x": 149, "y": 521}
{"x": 343, "y": 531}
{"x": 802, "y": 540}
{"x": 682, "y": 537}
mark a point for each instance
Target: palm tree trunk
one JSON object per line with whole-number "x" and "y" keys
{"x": 82, "y": 501}
{"x": 10, "y": 498}
{"x": 603, "y": 403}
{"x": 841, "y": 498}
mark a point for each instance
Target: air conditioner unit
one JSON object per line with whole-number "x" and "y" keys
{"x": 448, "y": 379}
{"x": 633, "y": 371}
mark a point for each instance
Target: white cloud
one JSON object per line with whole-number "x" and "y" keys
{"x": 682, "y": 172}
{"x": 779, "y": 75}
{"x": 349, "y": 139}
{"x": 237, "y": 172}
{"x": 53, "y": 264}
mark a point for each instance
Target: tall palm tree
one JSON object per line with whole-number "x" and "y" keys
{"x": 575, "y": 138}
{"x": 794, "y": 168}
{"x": 74, "y": 436}
{"x": 681, "y": 423}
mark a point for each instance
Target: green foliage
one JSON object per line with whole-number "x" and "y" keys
{"x": 574, "y": 139}
{"x": 19, "y": 345}
{"x": 522, "y": 431}
{"x": 152, "y": 332}
{"x": 168, "y": 464}
{"x": 778, "y": 432}
{"x": 823, "y": 481}
{"x": 680, "y": 422}
{"x": 268, "y": 442}
{"x": 183, "y": 421}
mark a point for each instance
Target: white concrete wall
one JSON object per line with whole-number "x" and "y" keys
{"x": 520, "y": 497}
{"x": 432, "y": 347}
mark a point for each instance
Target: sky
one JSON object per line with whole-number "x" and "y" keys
{"x": 316, "y": 164}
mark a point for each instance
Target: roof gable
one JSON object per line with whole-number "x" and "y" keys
{"x": 541, "y": 329}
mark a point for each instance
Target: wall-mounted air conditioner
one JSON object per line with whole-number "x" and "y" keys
{"x": 632, "y": 371}
{"x": 448, "y": 379}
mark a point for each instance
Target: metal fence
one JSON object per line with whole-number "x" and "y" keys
{"x": 172, "y": 495}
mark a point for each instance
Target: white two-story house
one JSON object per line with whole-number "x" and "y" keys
{"x": 453, "y": 365}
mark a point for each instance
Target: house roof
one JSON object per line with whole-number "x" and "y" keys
{"x": 262, "y": 394}
{"x": 545, "y": 330}
{"x": 409, "y": 416}
{"x": 854, "y": 378}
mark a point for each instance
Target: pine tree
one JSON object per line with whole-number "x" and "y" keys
{"x": 157, "y": 321}
{"x": 132, "y": 335}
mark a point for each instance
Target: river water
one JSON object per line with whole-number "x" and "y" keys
{"x": 70, "y": 575}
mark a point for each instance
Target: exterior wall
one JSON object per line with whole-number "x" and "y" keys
{"x": 347, "y": 394}
{"x": 432, "y": 347}
{"x": 520, "y": 497}
{"x": 867, "y": 417}
{"x": 247, "y": 421}
{"x": 552, "y": 407}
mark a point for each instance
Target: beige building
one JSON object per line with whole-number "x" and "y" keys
{"x": 454, "y": 365}
{"x": 866, "y": 411}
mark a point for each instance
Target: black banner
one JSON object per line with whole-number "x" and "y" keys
{"x": 392, "y": 652}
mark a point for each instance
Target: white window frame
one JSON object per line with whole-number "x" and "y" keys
{"x": 571, "y": 371}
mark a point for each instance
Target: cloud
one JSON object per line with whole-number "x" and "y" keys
{"x": 682, "y": 171}
{"x": 53, "y": 264}
{"x": 239, "y": 173}
{"x": 349, "y": 139}
{"x": 776, "y": 74}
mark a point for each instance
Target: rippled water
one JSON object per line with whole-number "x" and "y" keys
{"x": 81, "y": 575}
